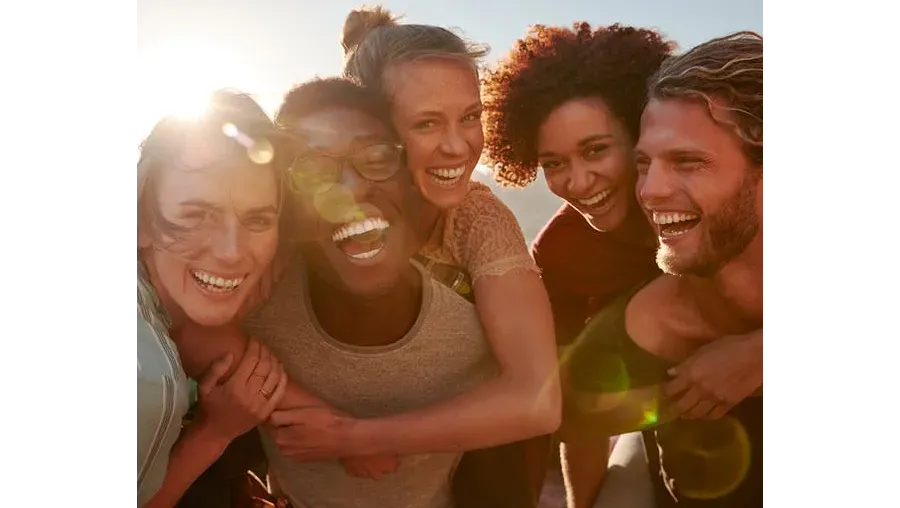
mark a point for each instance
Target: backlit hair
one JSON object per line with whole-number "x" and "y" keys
{"x": 234, "y": 120}
{"x": 727, "y": 71}
{"x": 373, "y": 40}
{"x": 552, "y": 65}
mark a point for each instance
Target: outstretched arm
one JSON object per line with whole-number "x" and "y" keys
{"x": 522, "y": 402}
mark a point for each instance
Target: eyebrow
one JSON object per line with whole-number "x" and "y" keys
{"x": 686, "y": 151}
{"x": 196, "y": 202}
{"x": 207, "y": 205}
{"x": 429, "y": 112}
{"x": 582, "y": 143}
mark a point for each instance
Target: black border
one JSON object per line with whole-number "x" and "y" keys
{"x": 832, "y": 254}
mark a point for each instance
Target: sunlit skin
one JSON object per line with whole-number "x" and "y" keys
{"x": 341, "y": 132}
{"x": 587, "y": 159}
{"x": 231, "y": 214}
{"x": 436, "y": 109}
{"x": 689, "y": 164}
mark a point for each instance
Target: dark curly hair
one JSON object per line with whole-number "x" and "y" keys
{"x": 327, "y": 93}
{"x": 553, "y": 65}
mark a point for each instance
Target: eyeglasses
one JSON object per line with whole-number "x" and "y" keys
{"x": 376, "y": 162}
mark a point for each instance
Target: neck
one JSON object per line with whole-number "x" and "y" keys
{"x": 428, "y": 225}
{"x": 736, "y": 289}
{"x": 175, "y": 313}
{"x": 636, "y": 230}
{"x": 367, "y": 320}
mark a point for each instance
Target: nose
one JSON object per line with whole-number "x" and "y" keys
{"x": 228, "y": 246}
{"x": 355, "y": 183}
{"x": 654, "y": 184}
{"x": 581, "y": 180}
{"x": 453, "y": 143}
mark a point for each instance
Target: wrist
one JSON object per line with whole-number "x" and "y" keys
{"x": 214, "y": 438}
{"x": 358, "y": 436}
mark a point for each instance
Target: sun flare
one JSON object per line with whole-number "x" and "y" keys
{"x": 176, "y": 78}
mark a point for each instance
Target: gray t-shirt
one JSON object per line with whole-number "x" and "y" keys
{"x": 444, "y": 354}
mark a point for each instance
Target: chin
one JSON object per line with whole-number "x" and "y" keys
{"x": 445, "y": 195}
{"x": 212, "y": 317}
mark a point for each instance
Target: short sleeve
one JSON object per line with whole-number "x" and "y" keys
{"x": 483, "y": 236}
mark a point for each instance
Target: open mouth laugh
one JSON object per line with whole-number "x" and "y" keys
{"x": 675, "y": 224}
{"x": 446, "y": 177}
{"x": 361, "y": 239}
{"x": 215, "y": 284}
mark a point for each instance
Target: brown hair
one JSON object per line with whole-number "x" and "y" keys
{"x": 552, "y": 65}
{"x": 234, "y": 120}
{"x": 373, "y": 41}
{"x": 728, "y": 68}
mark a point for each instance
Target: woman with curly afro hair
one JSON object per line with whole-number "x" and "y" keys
{"x": 569, "y": 102}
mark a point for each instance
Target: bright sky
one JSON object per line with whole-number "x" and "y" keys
{"x": 189, "y": 47}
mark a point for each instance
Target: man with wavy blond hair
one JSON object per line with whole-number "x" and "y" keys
{"x": 700, "y": 165}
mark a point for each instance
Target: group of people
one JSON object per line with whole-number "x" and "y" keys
{"x": 330, "y": 313}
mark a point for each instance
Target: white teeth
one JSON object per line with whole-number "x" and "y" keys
{"x": 358, "y": 228}
{"x": 446, "y": 177}
{"x": 366, "y": 255}
{"x": 216, "y": 284}
{"x": 663, "y": 218}
{"x": 596, "y": 198}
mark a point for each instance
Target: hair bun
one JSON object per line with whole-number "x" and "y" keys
{"x": 362, "y": 21}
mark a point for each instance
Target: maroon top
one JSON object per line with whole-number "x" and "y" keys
{"x": 584, "y": 270}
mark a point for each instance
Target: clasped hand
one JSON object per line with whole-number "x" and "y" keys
{"x": 716, "y": 377}
{"x": 315, "y": 432}
{"x": 231, "y": 407}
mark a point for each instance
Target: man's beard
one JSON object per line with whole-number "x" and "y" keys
{"x": 728, "y": 232}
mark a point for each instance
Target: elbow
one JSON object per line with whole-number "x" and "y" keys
{"x": 548, "y": 421}
{"x": 545, "y": 410}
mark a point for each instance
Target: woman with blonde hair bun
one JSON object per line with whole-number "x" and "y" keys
{"x": 430, "y": 77}
{"x": 468, "y": 239}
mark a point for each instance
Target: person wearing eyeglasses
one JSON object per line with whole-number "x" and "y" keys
{"x": 375, "y": 348}
{"x": 209, "y": 198}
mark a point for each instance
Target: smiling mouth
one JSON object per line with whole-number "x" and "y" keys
{"x": 216, "y": 284}
{"x": 446, "y": 177}
{"x": 361, "y": 239}
{"x": 675, "y": 224}
{"x": 598, "y": 200}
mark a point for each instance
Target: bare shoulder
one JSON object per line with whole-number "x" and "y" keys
{"x": 656, "y": 319}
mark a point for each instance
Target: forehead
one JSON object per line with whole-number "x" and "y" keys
{"x": 576, "y": 119}
{"x": 433, "y": 84}
{"x": 244, "y": 184}
{"x": 337, "y": 129}
{"x": 678, "y": 124}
